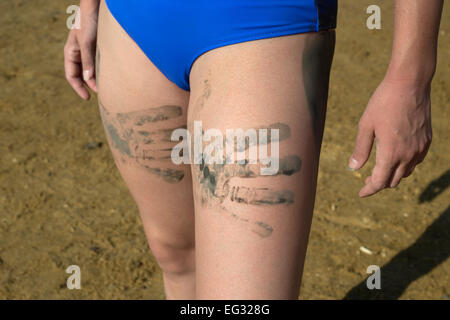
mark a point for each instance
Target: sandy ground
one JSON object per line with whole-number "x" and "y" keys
{"x": 62, "y": 202}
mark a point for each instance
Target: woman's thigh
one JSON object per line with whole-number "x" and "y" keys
{"x": 140, "y": 108}
{"x": 252, "y": 228}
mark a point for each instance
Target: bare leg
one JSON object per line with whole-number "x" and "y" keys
{"x": 139, "y": 109}
{"x": 252, "y": 230}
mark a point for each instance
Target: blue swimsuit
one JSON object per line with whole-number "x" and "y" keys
{"x": 174, "y": 33}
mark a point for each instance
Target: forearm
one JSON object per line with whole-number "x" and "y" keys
{"x": 414, "y": 51}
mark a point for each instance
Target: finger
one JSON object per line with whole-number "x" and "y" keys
{"x": 416, "y": 161}
{"x": 399, "y": 173}
{"x": 420, "y": 157}
{"x": 410, "y": 170}
{"x": 73, "y": 76}
{"x": 79, "y": 88}
{"x": 379, "y": 179}
{"x": 363, "y": 146}
{"x": 87, "y": 61}
{"x": 72, "y": 68}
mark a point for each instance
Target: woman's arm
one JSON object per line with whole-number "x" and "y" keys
{"x": 398, "y": 115}
{"x": 79, "y": 51}
{"x": 414, "y": 49}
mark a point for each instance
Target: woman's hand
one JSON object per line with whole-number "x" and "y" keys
{"x": 79, "y": 51}
{"x": 398, "y": 119}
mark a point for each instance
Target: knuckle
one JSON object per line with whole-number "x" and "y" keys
{"x": 391, "y": 158}
{"x": 70, "y": 51}
{"x": 378, "y": 183}
{"x": 362, "y": 125}
{"x": 387, "y": 160}
{"x": 68, "y": 48}
{"x": 409, "y": 154}
{"x": 67, "y": 76}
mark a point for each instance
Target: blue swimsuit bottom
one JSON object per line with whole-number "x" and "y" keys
{"x": 174, "y": 33}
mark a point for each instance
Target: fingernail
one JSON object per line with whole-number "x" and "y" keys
{"x": 352, "y": 164}
{"x": 87, "y": 75}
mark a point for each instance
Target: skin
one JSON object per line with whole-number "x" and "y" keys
{"x": 251, "y": 231}
{"x": 79, "y": 51}
{"x": 132, "y": 136}
{"x": 138, "y": 107}
{"x": 398, "y": 116}
{"x": 316, "y": 74}
{"x": 216, "y": 189}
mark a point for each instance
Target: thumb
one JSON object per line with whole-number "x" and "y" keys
{"x": 363, "y": 146}
{"x": 87, "y": 61}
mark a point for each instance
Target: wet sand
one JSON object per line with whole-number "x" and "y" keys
{"x": 62, "y": 201}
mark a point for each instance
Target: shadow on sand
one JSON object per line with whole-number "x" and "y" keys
{"x": 431, "y": 249}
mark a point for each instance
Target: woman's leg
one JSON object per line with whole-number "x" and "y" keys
{"x": 252, "y": 229}
{"x": 139, "y": 109}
